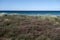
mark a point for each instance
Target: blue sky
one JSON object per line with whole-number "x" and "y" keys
{"x": 29, "y": 4}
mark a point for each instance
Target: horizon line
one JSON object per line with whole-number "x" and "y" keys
{"x": 29, "y": 10}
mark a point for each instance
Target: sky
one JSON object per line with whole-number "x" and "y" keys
{"x": 29, "y": 4}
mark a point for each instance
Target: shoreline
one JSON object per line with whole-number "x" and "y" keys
{"x": 28, "y": 14}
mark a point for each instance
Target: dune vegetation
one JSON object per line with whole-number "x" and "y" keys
{"x": 25, "y": 27}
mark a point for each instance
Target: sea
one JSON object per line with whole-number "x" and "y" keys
{"x": 32, "y": 12}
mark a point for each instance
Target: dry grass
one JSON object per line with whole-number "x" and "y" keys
{"x": 25, "y": 27}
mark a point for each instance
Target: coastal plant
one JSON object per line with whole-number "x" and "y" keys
{"x": 25, "y": 27}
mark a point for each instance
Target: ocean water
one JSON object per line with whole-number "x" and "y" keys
{"x": 33, "y": 12}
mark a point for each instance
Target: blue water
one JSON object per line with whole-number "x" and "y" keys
{"x": 33, "y": 12}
